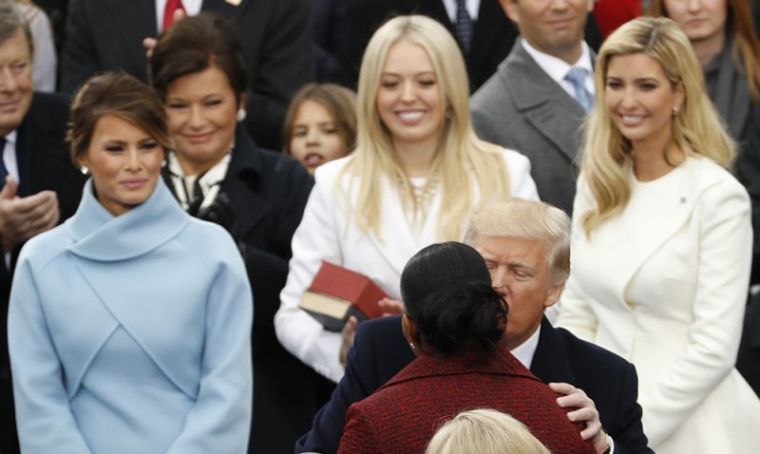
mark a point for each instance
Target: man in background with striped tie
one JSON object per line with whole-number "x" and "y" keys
{"x": 541, "y": 93}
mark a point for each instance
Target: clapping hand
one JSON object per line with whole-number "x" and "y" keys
{"x": 24, "y": 217}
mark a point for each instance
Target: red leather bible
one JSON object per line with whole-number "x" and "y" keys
{"x": 337, "y": 293}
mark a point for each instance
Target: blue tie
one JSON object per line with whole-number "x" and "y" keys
{"x": 577, "y": 78}
{"x": 464, "y": 26}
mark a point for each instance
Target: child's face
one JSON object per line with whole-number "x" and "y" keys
{"x": 315, "y": 139}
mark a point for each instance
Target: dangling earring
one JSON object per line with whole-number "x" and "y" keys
{"x": 241, "y": 114}
{"x": 449, "y": 113}
{"x": 84, "y": 170}
{"x": 675, "y": 111}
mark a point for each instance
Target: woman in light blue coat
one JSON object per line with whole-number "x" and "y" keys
{"x": 129, "y": 324}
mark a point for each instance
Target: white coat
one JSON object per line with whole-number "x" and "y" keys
{"x": 328, "y": 231}
{"x": 664, "y": 285}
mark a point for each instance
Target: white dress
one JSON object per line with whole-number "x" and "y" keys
{"x": 328, "y": 231}
{"x": 664, "y": 285}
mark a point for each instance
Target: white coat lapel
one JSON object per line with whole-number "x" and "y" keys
{"x": 396, "y": 243}
{"x": 631, "y": 238}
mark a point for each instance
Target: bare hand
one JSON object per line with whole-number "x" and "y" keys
{"x": 585, "y": 411}
{"x": 149, "y": 43}
{"x": 23, "y": 217}
{"x": 347, "y": 339}
{"x": 391, "y": 307}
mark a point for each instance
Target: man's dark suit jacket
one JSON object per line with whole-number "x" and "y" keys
{"x": 380, "y": 351}
{"x": 267, "y": 193}
{"x": 43, "y": 164}
{"x": 275, "y": 36}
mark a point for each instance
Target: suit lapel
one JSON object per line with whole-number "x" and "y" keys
{"x": 136, "y": 20}
{"x": 550, "y": 362}
{"x": 396, "y": 242}
{"x": 243, "y": 174}
{"x": 545, "y": 105}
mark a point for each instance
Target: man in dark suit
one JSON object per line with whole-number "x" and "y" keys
{"x": 529, "y": 264}
{"x": 492, "y": 34}
{"x": 40, "y": 185}
{"x": 276, "y": 37}
{"x": 538, "y": 98}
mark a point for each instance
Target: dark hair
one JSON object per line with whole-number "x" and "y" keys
{"x": 117, "y": 94}
{"x": 195, "y": 44}
{"x": 11, "y": 20}
{"x": 447, "y": 294}
{"x": 339, "y": 101}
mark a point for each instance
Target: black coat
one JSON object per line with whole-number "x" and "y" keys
{"x": 275, "y": 36}
{"x": 267, "y": 193}
{"x": 380, "y": 351}
{"x": 43, "y": 164}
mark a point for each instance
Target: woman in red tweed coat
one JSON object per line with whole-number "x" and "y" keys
{"x": 454, "y": 322}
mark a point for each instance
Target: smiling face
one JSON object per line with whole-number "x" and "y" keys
{"x": 201, "y": 110}
{"x": 125, "y": 163}
{"x": 409, "y": 100}
{"x": 700, "y": 20}
{"x": 315, "y": 138}
{"x": 16, "y": 85}
{"x": 554, "y": 27}
{"x": 520, "y": 272}
{"x": 641, "y": 100}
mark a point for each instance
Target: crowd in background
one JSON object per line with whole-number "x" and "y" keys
{"x": 558, "y": 197}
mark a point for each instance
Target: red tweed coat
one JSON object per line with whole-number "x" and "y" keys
{"x": 402, "y": 416}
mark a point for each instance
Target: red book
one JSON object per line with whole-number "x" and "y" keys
{"x": 337, "y": 293}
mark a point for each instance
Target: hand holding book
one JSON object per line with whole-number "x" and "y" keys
{"x": 337, "y": 293}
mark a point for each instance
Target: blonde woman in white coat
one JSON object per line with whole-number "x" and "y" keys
{"x": 417, "y": 172}
{"x": 662, "y": 243}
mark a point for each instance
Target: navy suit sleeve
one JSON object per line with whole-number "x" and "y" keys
{"x": 356, "y": 384}
{"x": 628, "y": 432}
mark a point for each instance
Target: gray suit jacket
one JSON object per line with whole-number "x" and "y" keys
{"x": 522, "y": 108}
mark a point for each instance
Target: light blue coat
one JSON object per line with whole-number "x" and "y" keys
{"x": 131, "y": 334}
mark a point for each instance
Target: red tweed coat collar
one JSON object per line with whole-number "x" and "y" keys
{"x": 503, "y": 363}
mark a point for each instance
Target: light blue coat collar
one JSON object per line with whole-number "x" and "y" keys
{"x": 99, "y": 235}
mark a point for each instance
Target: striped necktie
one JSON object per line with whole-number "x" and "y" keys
{"x": 464, "y": 26}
